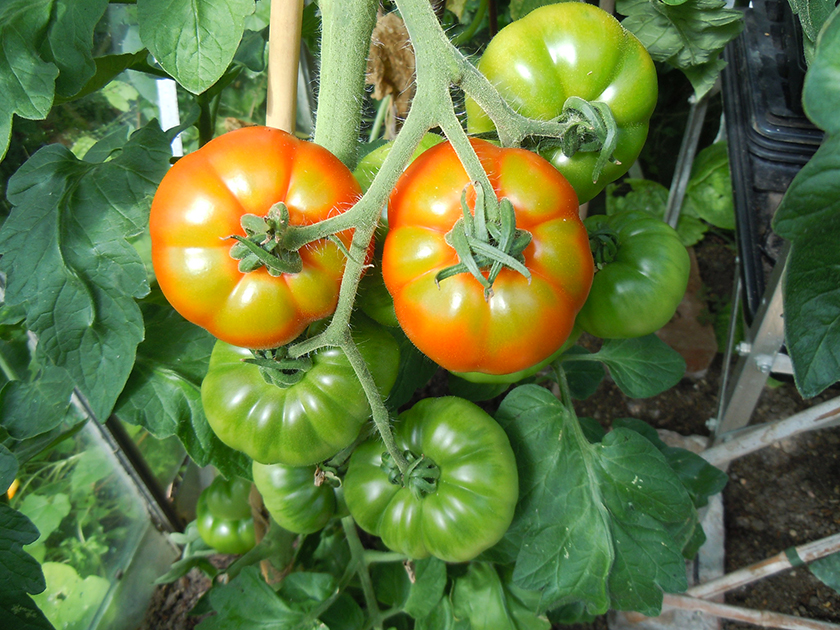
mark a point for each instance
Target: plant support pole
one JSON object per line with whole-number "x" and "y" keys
{"x": 780, "y": 562}
{"x": 763, "y": 618}
{"x": 283, "y": 60}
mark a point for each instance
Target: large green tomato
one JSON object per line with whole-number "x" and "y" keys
{"x": 465, "y": 511}
{"x": 303, "y": 423}
{"x": 573, "y": 49}
{"x": 292, "y": 498}
{"x": 641, "y": 277}
{"x": 223, "y": 516}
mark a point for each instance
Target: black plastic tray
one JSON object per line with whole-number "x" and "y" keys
{"x": 770, "y": 138}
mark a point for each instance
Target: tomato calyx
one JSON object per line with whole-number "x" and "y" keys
{"x": 485, "y": 245}
{"x": 590, "y": 127}
{"x": 277, "y": 368}
{"x": 262, "y": 245}
{"x": 604, "y": 245}
{"x": 326, "y": 475}
{"x": 420, "y": 477}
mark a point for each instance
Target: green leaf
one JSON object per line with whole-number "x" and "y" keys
{"x": 18, "y": 611}
{"x": 70, "y": 601}
{"x": 652, "y": 197}
{"x": 809, "y": 216}
{"x": 812, "y": 201}
{"x": 344, "y": 614}
{"x": 92, "y": 466}
{"x": 812, "y": 308}
{"x": 641, "y": 367}
{"x": 442, "y": 618}
{"x": 70, "y": 42}
{"x": 566, "y": 551}
{"x": 699, "y": 477}
{"x": 827, "y": 570}
{"x": 596, "y": 520}
{"x": 163, "y": 392}
{"x": 583, "y": 377}
{"x": 482, "y": 597}
{"x": 703, "y": 76}
{"x": 30, "y": 408}
{"x": 427, "y": 589}
{"x": 19, "y": 572}
{"x": 27, "y": 82}
{"x": 684, "y": 36}
{"x": 69, "y": 264}
{"x": 290, "y": 608}
{"x": 709, "y": 191}
{"x": 45, "y": 512}
{"x": 108, "y": 67}
{"x": 8, "y": 468}
{"x": 193, "y": 40}
{"x": 812, "y": 15}
{"x": 645, "y": 565}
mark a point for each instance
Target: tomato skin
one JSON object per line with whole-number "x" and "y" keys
{"x": 524, "y": 322}
{"x": 292, "y": 498}
{"x": 223, "y": 516}
{"x": 639, "y": 291}
{"x": 476, "y": 493}
{"x": 200, "y": 203}
{"x": 307, "y": 422}
{"x": 515, "y": 377}
{"x": 540, "y": 60}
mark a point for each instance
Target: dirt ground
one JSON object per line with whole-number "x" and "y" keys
{"x": 784, "y": 495}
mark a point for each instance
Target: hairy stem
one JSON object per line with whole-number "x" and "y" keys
{"x": 347, "y": 28}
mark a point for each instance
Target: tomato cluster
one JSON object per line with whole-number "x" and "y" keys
{"x": 492, "y": 280}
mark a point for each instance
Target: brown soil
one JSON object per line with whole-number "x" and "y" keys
{"x": 784, "y": 495}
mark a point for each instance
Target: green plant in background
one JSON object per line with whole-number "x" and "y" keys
{"x": 603, "y": 520}
{"x": 708, "y": 202}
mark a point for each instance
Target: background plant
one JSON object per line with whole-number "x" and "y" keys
{"x": 84, "y": 326}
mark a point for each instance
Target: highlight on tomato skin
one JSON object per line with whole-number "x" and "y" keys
{"x": 455, "y": 321}
{"x": 198, "y": 208}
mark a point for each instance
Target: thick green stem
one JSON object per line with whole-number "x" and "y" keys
{"x": 357, "y": 552}
{"x": 345, "y": 42}
{"x": 206, "y": 120}
{"x": 372, "y": 556}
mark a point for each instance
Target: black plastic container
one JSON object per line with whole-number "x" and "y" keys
{"x": 770, "y": 138}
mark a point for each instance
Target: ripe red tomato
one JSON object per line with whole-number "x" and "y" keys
{"x": 525, "y": 321}
{"x": 200, "y": 203}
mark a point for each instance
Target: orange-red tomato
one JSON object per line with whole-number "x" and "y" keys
{"x": 525, "y": 321}
{"x": 201, "y": 201}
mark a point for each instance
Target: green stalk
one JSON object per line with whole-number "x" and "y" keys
{"x": 381, "y": 111}
{"x": 7, "y": 369}
{"x": 466, "y": 35}
{"x": 345, "y": 42}
{"x": 357, "y": 552}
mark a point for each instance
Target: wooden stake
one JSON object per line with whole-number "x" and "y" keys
{"x": 283, "y": 60}
{"x": 763, "y": 618}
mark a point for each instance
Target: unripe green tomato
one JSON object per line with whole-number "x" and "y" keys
{"x": 471, "y": 505}
{"x": 223, "y": 516}
{"x": 292, "y": 498}
{"x": 573, "y": 49}
{"x": 641, "y": 275}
